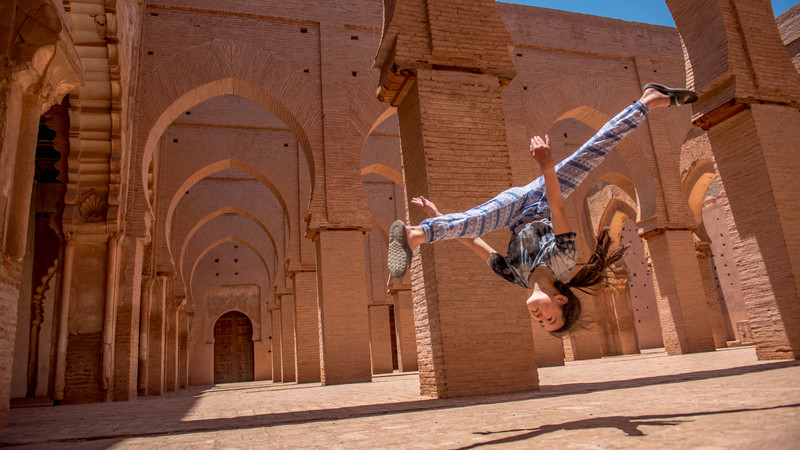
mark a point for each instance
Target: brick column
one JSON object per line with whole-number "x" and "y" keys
{"x": 287, "y": 338}
{"x": 548, "y": 349}
{"x": 157, "y": 344}
{"x": 342, "y": 296}
{"x": 584, "y": 342}
{"x": 87, "y": 322}
{"x": 756, "y": 153}
{"x": 183, "y": 348}
{"x": 610, "y": 342}
{"x": 623, "y": 311}
{"x": 277, "y": 371}
{"x": 443, "y": 64}
{"x": 306, "y": 320}
{"x": 404, "y": 326}
{"x": 126, "y": 341}
{"x": 749, "y": 90}
{"x": 680, "y": 297}
{"x": 704, "y": 255}
{"x": 148, "y": 283}
{"x": 380, "y": 339}
{"x": 174, "y": 307}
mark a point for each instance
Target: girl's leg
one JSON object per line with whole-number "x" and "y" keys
{"x": 497, "y": 213}
{"x": 575, "y": 168}
{"x": 522, "y": 204}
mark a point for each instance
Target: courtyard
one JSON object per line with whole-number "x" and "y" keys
{"x": 723, "y": 399}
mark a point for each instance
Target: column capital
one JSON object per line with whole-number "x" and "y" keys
{"x": 703, "y": 250}
{"x": 166, "y": 276}
{"x": 420, "y": 35}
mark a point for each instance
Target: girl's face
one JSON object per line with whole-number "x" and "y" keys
{"x": 546, "y": 309}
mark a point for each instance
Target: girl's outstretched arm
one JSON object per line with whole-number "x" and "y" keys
{"x": 478, "y": 245}
{"x": 540, "y": 150}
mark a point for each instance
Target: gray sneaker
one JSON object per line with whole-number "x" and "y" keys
{"x": 399, "y": 251}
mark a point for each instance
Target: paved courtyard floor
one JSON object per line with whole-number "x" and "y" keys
{"x": 720, "y": 400}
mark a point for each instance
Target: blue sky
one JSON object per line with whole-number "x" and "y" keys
{"x": 646, "y": 11}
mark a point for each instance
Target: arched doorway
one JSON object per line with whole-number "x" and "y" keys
{"x": 233, "y": 348}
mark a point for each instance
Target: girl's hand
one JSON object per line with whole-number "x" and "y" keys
{"x": 427, "y": 205}
{"x": 540, "y": 150}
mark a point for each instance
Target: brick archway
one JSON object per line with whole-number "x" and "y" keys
{"x": 234, "y": 355}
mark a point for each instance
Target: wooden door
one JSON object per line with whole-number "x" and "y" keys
{"x": 233, "y": 348}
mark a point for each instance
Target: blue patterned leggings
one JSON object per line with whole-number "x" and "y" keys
{"x": 518, "y": 205}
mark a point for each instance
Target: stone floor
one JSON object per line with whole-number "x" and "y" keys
{"x": 725, "y": 399}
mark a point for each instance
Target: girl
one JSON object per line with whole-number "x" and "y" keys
{"x": 541, "y": 252}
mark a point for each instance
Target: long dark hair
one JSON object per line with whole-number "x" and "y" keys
{"x": 593, "y": 273}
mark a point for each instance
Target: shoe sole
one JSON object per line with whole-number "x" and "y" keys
{"x": 399, "y": 257}
{"x": 674, "y": 99}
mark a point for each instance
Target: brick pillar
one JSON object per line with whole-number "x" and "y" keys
{"x": 84, "y": 372}
{"x": 623, "y": 312}
{"x": 404, "y": 326}
{"x": 306, "y": 320}
{"x": 380, "y": 339}
{"x": 148, "y": 283}
{"x": 277, "y": 371}
{"x": 584, "y": 342}
{"x": 611, "y": 341}
{"x": 157, "y": 344}
{"x": 704, "y": 255}
{"x": 174, "y": 307}
{"x": 126, "y": 344}
{"x": 342, "y": 296}
{"x": 679, "y": 292}
{"x": 548, "y": 349}
{"x": 443, "y": 64}
{"x": 287, "y": 338}
{"x": 756, "y": 153}
{"x": 749, "y": 90}
{"x": 183, "y": 348}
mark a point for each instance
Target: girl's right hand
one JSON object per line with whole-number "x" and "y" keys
{"x": 540, "y": 150}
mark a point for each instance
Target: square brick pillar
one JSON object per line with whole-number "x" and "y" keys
{"x": 306, "y": 326}
{"x": 277, "y": 371}
{"x": 342, "y": 296}
{"x": 443, "y": 64}
{"x": 157, "y": 337}
{"x": 126, "y": 344}
{"x": 715, "y": 317}
{"x": 83, "y": 373}
{"x": 472, "y": 325}
{"x": 148, "y": 292}
{"x": 749, "y": 91}
{"x": 287, "y": 338}
{"x": 404, "y": 330}
{"x": 380, "y": 339}
{"x": 548, "y": 349}
{"x": 756, "y": 153}
{"x": 681, "y": 300}
{"x": 183, "y": 348}
{"x": 171, "y": 345}
{"x": 623, "y": 312}
{"x": 583, "y": 342}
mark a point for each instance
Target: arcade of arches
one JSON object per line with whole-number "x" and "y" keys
{"x": 194, "y": 193}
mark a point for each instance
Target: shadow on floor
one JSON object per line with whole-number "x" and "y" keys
{"x": 627, "y": 424}
{"x": 129, "y": 416}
